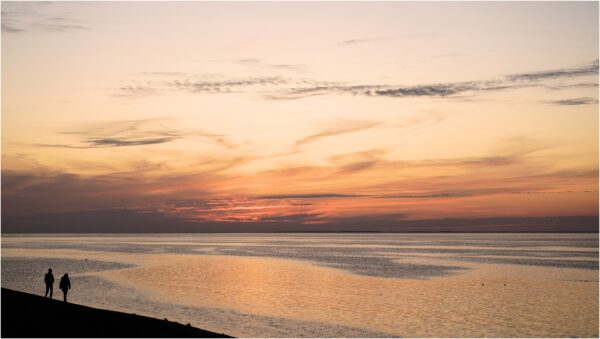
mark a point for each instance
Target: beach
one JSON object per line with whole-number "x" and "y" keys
{"x": 26, "y": 315}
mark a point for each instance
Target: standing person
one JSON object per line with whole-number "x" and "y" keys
{"x": 49, "y": 280}
{"x": 65, "y": 285}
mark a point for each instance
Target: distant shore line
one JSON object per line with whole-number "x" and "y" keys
{"x": 320, "y": 232}
{"x": 28, "y": 315}
{"x": 131, "y": 222}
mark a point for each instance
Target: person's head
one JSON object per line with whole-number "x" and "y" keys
{"x": 49, "y": 270}
{"x": 66, "y": 275}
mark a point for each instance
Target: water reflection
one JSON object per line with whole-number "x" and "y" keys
{"x": 357, "y": 253}
{"x": 400, "y": 285}
{"x": 98, "y": 291}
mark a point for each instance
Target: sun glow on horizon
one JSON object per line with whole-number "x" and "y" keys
{"x": 242, "y": 113}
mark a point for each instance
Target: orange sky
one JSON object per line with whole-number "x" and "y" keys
{"x": 301, "y": 113}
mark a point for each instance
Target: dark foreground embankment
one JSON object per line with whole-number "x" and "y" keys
{"x": 28, "y": 315}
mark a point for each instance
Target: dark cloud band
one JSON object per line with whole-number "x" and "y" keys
{"x": 282, "y": 88}
{"x": 574, "y": 101}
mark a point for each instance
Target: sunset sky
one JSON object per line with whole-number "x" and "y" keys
{"x": 313, "y": 113}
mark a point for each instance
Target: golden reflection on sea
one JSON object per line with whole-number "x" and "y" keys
{"x": 486, "y": 301}
{"x": 455, "y": 306}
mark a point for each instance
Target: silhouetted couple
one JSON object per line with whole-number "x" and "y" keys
{"x": 64, "y": 285}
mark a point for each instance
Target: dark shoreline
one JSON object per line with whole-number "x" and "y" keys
{"x": 28, "y": 315}
{"x": 122, "y": 221}
{"x": 302, "y": 232}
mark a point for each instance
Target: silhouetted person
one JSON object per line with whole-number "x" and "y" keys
{"x": 49, "y": 280}
{"x": 65, "y": 285}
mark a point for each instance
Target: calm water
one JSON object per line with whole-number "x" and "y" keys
{"x": 332, "y": 285}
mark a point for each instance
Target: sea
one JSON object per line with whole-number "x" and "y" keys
{"x": 326, "y": 285}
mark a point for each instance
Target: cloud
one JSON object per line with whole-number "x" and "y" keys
{"x": 574, "y": 101}
{"x": 358, "y": 166}
{"x": 96, "y": 221}
{"x": 11, "y": 20}
{"x": 265, "y": 85}
{"x": 111, "y": 142}
{"x": 58, "y": 24}
{"x": 308, "y": 196}
{"x": 28, "y": 191}
{"x": 321, "y": 89}
{"x": 299, "y": 218}
{"x": 337, "y": 128}
{"x": 483, "y": 161}
{"x": 357, "y": 161}
{"x": 8, "y": 28}
{"x": 228, "y": 86}
{"x": 509, "y": 82}
{"x": 365, "y": 40}
{"x": 138, "y": 221}
{"x": 261, "y": 64}
{"x": 26, "y": 16}
{"x": 237, "y": 209}
{"x": 283, "y": 88}
{"x": 457, "y": 193}
{"x": 134, "y": 133}
{"x": 416, "y": 123}
{"x": 120, "y": 142}
{"x": 269, "y": 86}
{"x": 427, "y": 90}
{"x": 369, "y": 174}
{"x": 45, "y": 190}
{"x": 164, "y": 73}
{"x": 589, "y": 69}
{"x": 136, "y": 90}
{"x": 73, "y": 198}
{"x": 418, "y": 196}
{"x": 477, "y": 192}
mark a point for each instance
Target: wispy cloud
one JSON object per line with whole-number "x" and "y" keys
{"x": 59, "y": 24}
{"x": 284, "y": 88}
{"x": 341, "y": 126}
{"x": 356, "y": 171}
{"x": 309, "y": 196}
{"x": 120, "y": 142}
{"x": 7, "y": 27}
{"x": 574, "y": 101}
{"x": 589, "y": 69}
{"x": 194, "y": 197}
{"x": 434, "y": 90}
{"x": 321, "y": 89}
{"x": 19, "y": 17}
{"x": 134, "y": 133}
{"x": 365, "y": 40}
{"x": 237, "y": 209}
{"x": 136, "y": 90}
{"x": 258, "y": 63}
{"x": 228, "y": 86}
{"x": 34, "y": 190}
{"x": 508, "y": 82}
{"x": 265, "y": 85}
{"x": 357, "y": 161}
{"x": 429, "y": 90}
{"x": 418, "y": 196}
